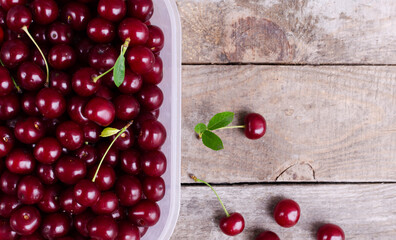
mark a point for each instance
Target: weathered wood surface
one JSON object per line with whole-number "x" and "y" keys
{"x": 365, "y": 212}
{"x": 288, "y": 31}
{"x": 327, "y": 123}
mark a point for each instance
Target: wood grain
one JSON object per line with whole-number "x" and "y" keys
{"x": 365, "y": 212}
{"x": 284, "y": 31}
{"x": 327, "y": 123}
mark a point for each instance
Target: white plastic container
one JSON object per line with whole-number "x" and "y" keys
{"x": 166, "y": 17}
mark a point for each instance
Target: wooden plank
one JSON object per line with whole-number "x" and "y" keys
{"x": 284, "y": 31}
{"x": 365, "y": 212}
{"x": 327, "y": 123}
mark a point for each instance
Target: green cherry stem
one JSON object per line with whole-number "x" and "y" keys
{"x": 111, "y": 144}
{"x": 25, "y": 29}
{"x": 201, "y": 181}
{"x": 13, "y": 80}
{"x": 231, "y": 127}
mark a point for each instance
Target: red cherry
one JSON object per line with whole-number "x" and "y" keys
{"x": 130, "y": 163}
{"x": 141, "y": 9}
{"x": 100, "y": 30}
{"x": 20, "y": 161}
{"x": 82, "y": 82}
{"x": 60, "y": 33}
{"x": 156, "y": 74}
{"x": 150, "y": 97}
{"x": 25, "y": 220}
{"x": 9, "y": 106}
{"x": 145, "y": 213}
{"x": 112, "y": 10}
{"x": 153, "y": 188}
{"x": 9, "y": 182}
{"x": 62, "y": 56}
{"x": 152, "y": 135}
{"x": 49, "y": 203}
{"x": 69, "y": 204}
{"x": 330, "y": 232}
{"x": 132, "y": 83}
{"x": 100, "y": 111}
{"x": 76, "y": 14}
{"x": 55, "y": 225}
{"x": 6, "y": 231}
{"x": 50, "y": 103}
{"x": 7, "y": 141}
{"x": 106, "y": 177}
{"x": 128, "y": 231}
{"x": 7, "y": 205}
{"x": 267, "y": 235}
{"x": 103, "y": 227}
{"x": 60, "y": 81}
{"x": 70, "y": 170}
{"x": 156, "y": 39}
{"x": 86, "y": 193}
{"x": 14, "y": 52}
{"x": 47, "y": 150}
{"x": 133, "y": 29}
{"x": 153, "y": 163}
{"x": 233, "y": 224}
{"x": 18, "y": 17}
{"x": 287, "y": 213}
{"x": 30, "y": 76}
{"x": 30, "y": 190}
{"x": 44, "y": 11}
{"x": 6, "y": 84}
{"x": 46, "y": 173}
{"x": 255, "y": 126}
{"x": 129, "y": 190}
{"x": 106, "y": 203}
{"x": 81, "y": 222}
{"x": 140, "y": 59}
{"x": 70, "y": 135}
{"x": 7, "y": 4}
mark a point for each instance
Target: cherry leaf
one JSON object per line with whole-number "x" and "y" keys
{"x": 220, "y": 120}
{"x": 200, "y": 128}
{"x": 119, "y": 70}
{"x": 109, "y": 131}
{"x": 212, "y": 141}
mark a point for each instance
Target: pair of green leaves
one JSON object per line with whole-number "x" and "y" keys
{"x": 218, "y": 121}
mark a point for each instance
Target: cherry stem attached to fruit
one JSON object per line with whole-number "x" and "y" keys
{"x": 13, "y": 80}
{"x": 231, "y": 127}
{"x": 108, "y": 149}
{"x": 221, "y": 202}
{"x": 124, "y": 48}
{"x": 25, "y": 29}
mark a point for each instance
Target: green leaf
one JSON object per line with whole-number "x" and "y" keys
{"x": 200, "y": 128}
{"x": 211, "y": 140}
{"x": 119, "y": 70}
{"x": 220, "y": 120}
{"x": 109, "y": 131}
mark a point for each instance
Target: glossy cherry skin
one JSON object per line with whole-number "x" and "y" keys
{"x": 30, "y": 130}
{"x": 111, "y": 157}
{"x": 46, "y": 173}
{"x": 255, "y": 126}
{"x": 88, "y": 154}
{"x": 60, "y": 33}
{"x": 153, "y": 163}
{"x": 6, "y": 84}
{"x": 7, "y": 141}
{"x": 113, "y": 10}
{"x": 129, "y": 190}
{"x": 8, "y": 4}
{"x": 7, "y": 205}
{"x": 20, "y": 161}
{"x": 18, "y": 17}
{"x": 6, "y": 232}
{"x": 70, "y": 135}
{"x": 132, "y": 83}
{"x": 106, "y": 177}
{"x": 36, "y": 57}
{"x": 145, "y": 213}
{"x": 105, "y": 92}
{"x": 47, "y": 150}
{"x": 156, "y": 74}
{"x": 60, "y": 81}
{"x": 55, "y": 225}
{"x": 133, "y": 29}
{"x": 39, "y": 33}
{"x": 287, "y": 213}
{"x": 9, "y": 107}
{"x": 330, "y": 232}
{"x": 233, "y": 224}
{"x": 49, "y": 203}
{"x": 127, "y": 107}
{"x": 86, "y": 193}
{"x": 44, "y": 11}
{"x": 30, "y": 76}
{"x": 140, "y": 59}
{"x": 50, "y": 103}
{"x": 152, "y": 135}
{"x": 102, "y": 57}
{"x": 69, "y": 204}
{"x": 150, "y": 97}
{"x": 76, "y": 15}
{"x": 30, "y": 190}
{"x": 91, "y": 132}
{"x": 81, "y": 222}
{"x": 62, "y": 56}
{"x": 155, "y": 42}
{"x": 141, "y": 9}
{"x": 125, "y": 140}
{"x": 75, "y": 108}
{"x": 103, "y": 228}
{"x": 82, "y": 82}
{"x": 9, "y": 182}
{"x": 100, "y": 111}
{"x": 28, "y": 104}
{"x": 127, "y": 231}
{"x": 130, "y": 162}
{"x": 153, "y": 188}
{"x": 142, "y": 117}
{"x": 106, "y": 204}
{"x": 14, "y": 52}
{"x": 70, "y": 170}
{"x": 25, "y": 220}
{"x": 100, "y": 30}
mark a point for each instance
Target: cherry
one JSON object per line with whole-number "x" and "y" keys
{"x": 145, "y": 213}
{"x": 233, "y": 224}
{"x": 142, "y": 117}
{"x": 106, "y": 204}
{"x": 9, "y": 107}
{"x": 131, "y": 84}
{"x": 60, "y": 81}
{"x": 129, "y": 190}
{"x": 153, "y": 163}
{"x": 28, "y": 102}
{"x": 30, "y": 76}
{"x": 287, "y": 213}
{"x": 133, "y": 29}
{"x": 82, "y": 82}
{"x": 14, "y": 52}
{"x": 36, "y": 57}
{"x": 25, "y": 220}
{"x": 103, "y": 227}
{"x": 82, "y": 48}
{"x": 46, "y": 173}
{"x": 156, "y": 74}
{"x": 150, "y": 97}
{"x": 55, "y": 225}
{"x": 156, "y": 39}
{"x": 141, "y": 9}
{"x": 255, "y": 126}
{"x": 127, "y": 107}
{"x": 75, "y": 108}
{"x": 8, "y": 203}
{"x": 111, "y": 157}
{"x": 39, "y": 33}
{"x": 60, "y": 33}
{"x": 330, "y": 232}
{"x": 49, "y": 203}
{"x": 81, "y": 222}
{"x": 62, "y": 56}
{"x": 130, "y": 163}
{"x": 50, "y": 103}
{"x": 7, "y": 141}
{"x": 8, "y": 4}
{"x": 18, "y": 17}
{"x": 70, "y": 170}
{"x": 76, "y": 14}
{"x": 6, "y": 232}
{"x": 113, "y": 10}
{"x": 30, "y": 190}
{"x": 119, "y": 214}
{"x": 47, "y": 150}
{"x": 125, "y": 140}
{"x": 88, "y": 154}
{"x": 102, "y": 56}
{"x": 6, "y": 84}
{"x": 91, "y": 132}
{"x": 152, "y": 135}
{"x": 20, "y": 161}
{"x": 128, "y": 231}
{"x": 70, "y": 135}
{"x": 30, "y": 130}
{"x": 100, "y": 30}
{"x": 44, "y": 11}
{"x": 69, "y": 204}
{"x": 9, "y": 182}
{"x": 106, "y": 177}
{"x": 86, "y": 193}
{"x": 100, "y": 111}
{"x": 153, "y": 188}
{"x": 140, "y": 59}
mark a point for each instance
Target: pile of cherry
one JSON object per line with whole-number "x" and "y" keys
{"x": 63, "y": 114}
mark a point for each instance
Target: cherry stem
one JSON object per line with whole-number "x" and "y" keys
{"x": 231, "y": 127}
{"x": 108, "y": 149}
{"x": 95, "y": 79}
{"x": 221, "y": 202}
{"x": 13, "y": 80}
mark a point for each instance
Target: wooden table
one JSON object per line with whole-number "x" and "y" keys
{"x": 323, "y": 74}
